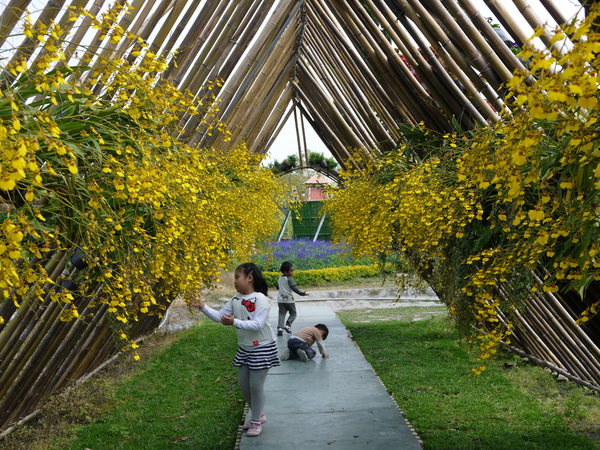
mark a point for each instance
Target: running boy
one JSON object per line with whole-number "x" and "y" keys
{"x": 285, "y": 298}
{"x": 299, "y": 345}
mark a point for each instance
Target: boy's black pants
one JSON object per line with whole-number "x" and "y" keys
{"x": 294, "y": 344}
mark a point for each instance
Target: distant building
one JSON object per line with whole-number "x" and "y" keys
{"x": 315, "y": 188}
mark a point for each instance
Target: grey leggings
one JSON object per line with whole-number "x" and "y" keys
{"x": 283, "y": 310}
{"x": 252, "y": 383}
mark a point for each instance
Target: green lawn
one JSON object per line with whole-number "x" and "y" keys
{"x": 186, "y": 396}
{"x": 184, "y": 393}
{"x": 427, "y": 369}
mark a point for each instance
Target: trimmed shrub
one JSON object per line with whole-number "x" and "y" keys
{"x": 314, "y": 277}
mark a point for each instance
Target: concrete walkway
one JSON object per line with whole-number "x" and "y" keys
{"x": 334, "y": 403}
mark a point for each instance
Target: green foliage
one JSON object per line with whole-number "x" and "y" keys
{"x": 319, "y": 160}
{"x": 289, "y": 163}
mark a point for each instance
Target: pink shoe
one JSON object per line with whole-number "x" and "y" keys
{"x": 255, "y": 429}
{"x": 263, "y": 419}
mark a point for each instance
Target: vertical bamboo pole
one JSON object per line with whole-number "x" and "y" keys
{"x": 302, "y": 163}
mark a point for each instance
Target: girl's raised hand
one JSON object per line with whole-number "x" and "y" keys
{"x": 227, "y": 319}
{"x": 197, "y": 302}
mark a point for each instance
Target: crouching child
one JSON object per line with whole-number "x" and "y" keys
{"x": 299, "y": 345}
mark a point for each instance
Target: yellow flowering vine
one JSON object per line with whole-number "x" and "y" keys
{"x": 490, "y": 215}
{"x": 101, "y": 205}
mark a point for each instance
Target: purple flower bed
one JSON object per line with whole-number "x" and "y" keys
{"x": 304, "y": 254}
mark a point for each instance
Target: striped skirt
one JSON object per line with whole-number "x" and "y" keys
{"x": 263, "y": 357}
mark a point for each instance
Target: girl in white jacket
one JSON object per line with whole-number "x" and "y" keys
{"x": 257, "y": 353}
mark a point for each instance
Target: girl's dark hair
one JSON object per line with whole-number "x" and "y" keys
{"x": 260, "y": 285}
{"x": 286, "y": 266}
{"x": 324, "y": 328}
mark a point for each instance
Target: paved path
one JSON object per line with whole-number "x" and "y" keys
{"x": 334, "y": 403}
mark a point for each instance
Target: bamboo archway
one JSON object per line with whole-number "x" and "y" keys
{"x": 356, "y": 70}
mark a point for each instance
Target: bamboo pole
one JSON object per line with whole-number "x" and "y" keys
{"x": 568, "y": 358}
{"x": 347, "y": 131}
{"x": 488, "y": 64}
{"x": 65, "y": 25}
{"x": 187, "y": 76}
{"x": 354, "y": 122}
{"x": 552, "y": 367}
{"x": 125, "y": 22}
{"x": 319, "y": 129}
{"x": 236, "y": 85}
{"x": 23, "y": 314}
{"x": 79, "y": 346}
{"x": 561, "y": 354}
{"x": 280, "y": 125}
{"x": 28, "y": 341}
{"x": 234, "y": 89}
{"x": 340, "y": 89}
{"x": 77, "y": 38}
{"x": 245, "y": 39}
{"x": 276, "y": 121}
{"x": 457, "y": 104}
{"x": 306, "y": 155}
{"x": 177, "y": 30}
{"x": 395, "y": 107}
{"x": 255, "y": 119}
{"x": 10, "y": 16}
{"x": 354, "y": 94}
{"x": 265, "y": 119}
{"x": 576, "y": 345}
{"x": 327, "y": 124}
{"x": 361, "y": 87}
{"x": 559, "y": 307}
{"x": 211, "y": 40}
{"x": 226, "y": 63}
{"x": 29, "y": 45}
{"x": 216, "y": 45}
{"x": 98, "y": 335}
{"x": 390, "y": 69}
{"x": 24, "y": 359}
{"x": 508, "y": 21}
{"x": 535, "y": 21}
{"x": 454, "y": 60}
{"x": 478, "y": 51}
{"x": 68, "y": 343}
{"x": 32, "y": 381}
{"x": 555, "y": 11}
{"x": 326, "y": 133}
{"x": 277, "y": 62}
{"x": 269, "y": 118}
{"x": 479, "y": 29}
{"x": 192, "y": 125}
{"x": 192, "y": 42}
{"x": 239, "y": 40}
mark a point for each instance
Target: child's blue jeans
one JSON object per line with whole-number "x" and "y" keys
{"x": 295, "y": 343}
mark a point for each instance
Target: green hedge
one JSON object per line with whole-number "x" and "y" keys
{"x": 315, "y": 277}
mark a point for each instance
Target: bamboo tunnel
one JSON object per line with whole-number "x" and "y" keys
{"x": 356, "y": 71}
